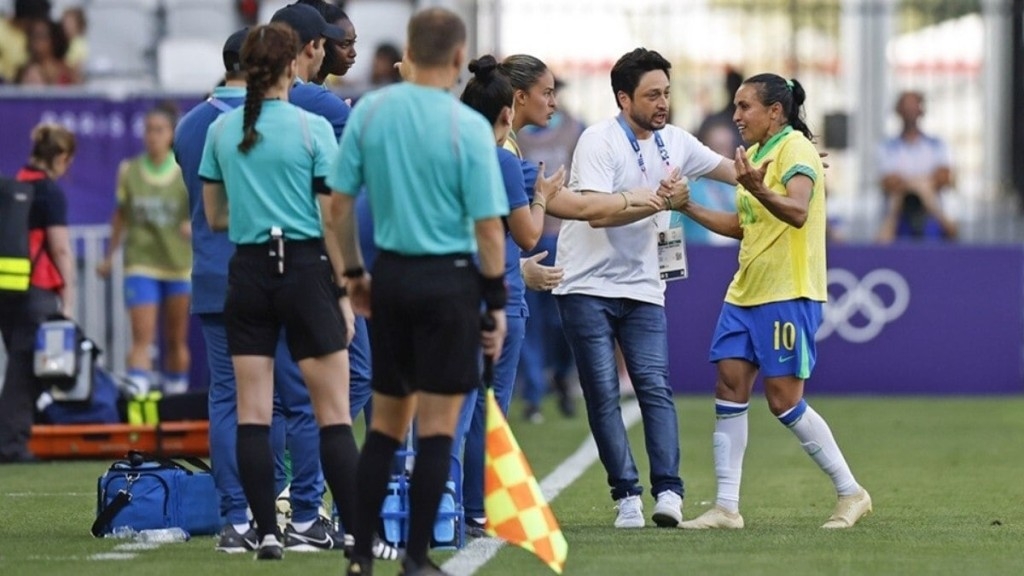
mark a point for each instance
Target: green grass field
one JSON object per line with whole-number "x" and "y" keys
{"x": 946, "y": 476}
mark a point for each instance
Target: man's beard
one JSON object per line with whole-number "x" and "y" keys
{"x": 647, "y": 123}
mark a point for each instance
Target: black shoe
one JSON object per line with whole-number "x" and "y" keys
{"x": 411, "y": 568}
{"x": 475, "y": 529}
{"x": 320, "y": 536}
{"x": 270, "y": 548}
{"x": 232, "y": 542}
{"x": 359, "y": 567}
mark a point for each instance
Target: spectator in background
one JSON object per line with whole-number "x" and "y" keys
{"x": 733, "y": 80}
{"x": 153, "y": 219}
{"x": 710, "y": 193}
{"x": 384, "y": 70}
{"x": 915, "y": 170}
{"x": 47, "y": 47}
{"x": 14, "y": 35}
{"x": 51, "y": 289}
{"x": 74, "y": 25}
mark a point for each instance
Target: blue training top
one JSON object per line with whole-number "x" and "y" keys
{"x": 322, "y": 102}
{"x": 211, "y": 250}
{"x": 515, "y": 191}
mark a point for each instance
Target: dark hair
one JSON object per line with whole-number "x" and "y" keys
{"x": 627, "y": 71}
{"x": 789, "y": 94}
{"x": 32, "y": 9}
{"x": 50, "y": 141}
{"x": 331, "y": 13}
{"x": 268, "y": 50}
{"x": 733, "y": 81}
{"x": 434, "y": 34}
{"x": 522, "y": 70}
{"x": 167, "y": 109}
{"x": 487, "y": 92}
{"x": 59, "y": 43}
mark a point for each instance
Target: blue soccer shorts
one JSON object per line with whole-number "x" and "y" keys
{"x": 778, "y": 337}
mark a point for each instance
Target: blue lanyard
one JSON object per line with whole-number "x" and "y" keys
{"x": 636, "y": 147}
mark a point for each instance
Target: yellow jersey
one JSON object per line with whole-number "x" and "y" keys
{"x": 777, "y": 261}
{"x": 512, "y": 145}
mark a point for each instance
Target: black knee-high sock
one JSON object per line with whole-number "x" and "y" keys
{"x": 339, "y": 458}
{"x": 427, "y": 484}
{"x": 256, "y": 471}
{"x": 372, "y": 482}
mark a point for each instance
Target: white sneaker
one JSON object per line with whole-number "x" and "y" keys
{"x": 631, "y": 512}
{"x": 668, "y": 509}
{"x": 714, "y": 518}
{"x": 849, "y": 509}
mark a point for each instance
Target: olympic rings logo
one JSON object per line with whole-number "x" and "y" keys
{"x": 879, "y": 298}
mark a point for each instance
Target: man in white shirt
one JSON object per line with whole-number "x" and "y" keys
{"x": 612, "y": 291}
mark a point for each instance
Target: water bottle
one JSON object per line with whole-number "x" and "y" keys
{"x": 444, "y": 526}
{"x": 162, "y": 536}
{"x": 122, "y": 532}
{"x": 393, "y": 514}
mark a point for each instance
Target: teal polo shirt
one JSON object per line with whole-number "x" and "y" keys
{"x": 272, "y": 185}
{"x": 429, "y": 167}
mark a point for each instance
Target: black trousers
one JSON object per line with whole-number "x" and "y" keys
{"x": 20, "y": 317}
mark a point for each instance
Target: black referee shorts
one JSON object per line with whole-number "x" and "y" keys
{"x": 426, "y": 324}
{"x": 301, "y": 301}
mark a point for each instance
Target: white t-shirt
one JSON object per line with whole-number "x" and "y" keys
{"x": 622, "y": 261}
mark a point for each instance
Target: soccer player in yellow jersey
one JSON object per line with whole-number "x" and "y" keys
{"x": 774, "y": 304}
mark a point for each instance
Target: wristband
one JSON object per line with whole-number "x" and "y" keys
{"x": 625, "y": 201}
{"x": 668, "y": 200}
{"x": 541, "y": 204}
{"x": 354, "y": 272}
{"x": 339, "y": 291}
{"x": 494, "y": 292}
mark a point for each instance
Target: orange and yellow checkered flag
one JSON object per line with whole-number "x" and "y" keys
{"x": 516, "y": 509}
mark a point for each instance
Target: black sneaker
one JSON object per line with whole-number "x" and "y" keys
{"x": 475, "y": 529}
{"x": 359, "y": 567}
{"x": 270, "y": 548}
{"x": 411, "y": 568}
{"x": 232, "y": 542}
{"x": 320, "y": 536}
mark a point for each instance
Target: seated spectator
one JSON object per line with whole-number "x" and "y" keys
{"x": 74, "y": 25}
{"x": 14, "y": 35}
{"x": 47, "y": 46}
{"x": 915, "y": 170}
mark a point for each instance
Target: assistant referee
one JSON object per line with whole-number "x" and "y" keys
{"x": 263, "y": 169}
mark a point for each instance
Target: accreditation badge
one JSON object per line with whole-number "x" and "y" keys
{"x": 672, "y": 250}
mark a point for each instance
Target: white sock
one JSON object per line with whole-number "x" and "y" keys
{"x": 730, "y": 443}
{"x": 816, "y": 438}
{"x": 302, "y": 526}
{"x": 241, "y": 528}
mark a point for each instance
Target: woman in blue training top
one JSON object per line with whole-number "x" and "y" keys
{"x": 263, "y": 169}
{"x": 492, "y": 94}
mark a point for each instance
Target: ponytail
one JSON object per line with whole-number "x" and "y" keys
{"x": 49, "y": 141}
{"x": 266, "y": 53}
{"x": 789, "y": 93}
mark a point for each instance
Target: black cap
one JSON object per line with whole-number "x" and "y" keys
{"x": 307, "y": 23}
{"x": 233, "y": 51}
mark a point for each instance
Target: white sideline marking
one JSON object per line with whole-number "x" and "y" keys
{"x": 136, "y": 546}
{"x": 480, "y": 551}
{"x": 113, "y": 556}
{"x": 47, "y": 494}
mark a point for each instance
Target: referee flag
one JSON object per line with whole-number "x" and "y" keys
{"x": 516, "y": 510}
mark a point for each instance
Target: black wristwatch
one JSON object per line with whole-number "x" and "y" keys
{"x": 354, "y": 272}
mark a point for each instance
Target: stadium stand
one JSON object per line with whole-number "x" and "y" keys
{"x": 122, "y": 36}
{"x": 189, "y": 64}
{"x": 208, "y": 19}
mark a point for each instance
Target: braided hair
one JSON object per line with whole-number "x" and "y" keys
{"x": 266, "y": 54}
{"x": 790, "y": 94}
{"x": 487, "y": 92}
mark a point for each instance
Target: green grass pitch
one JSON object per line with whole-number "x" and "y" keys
{"x": 946, "y": 476}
